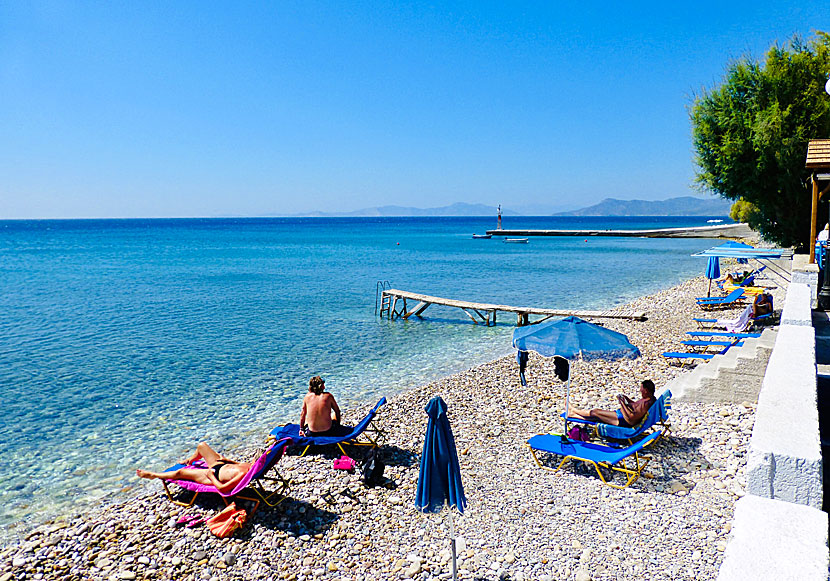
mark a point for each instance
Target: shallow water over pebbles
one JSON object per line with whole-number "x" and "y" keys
{"x": 123, "y": 343}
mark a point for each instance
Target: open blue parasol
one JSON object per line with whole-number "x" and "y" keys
{"x": 573, "y": 337}
{"x": 712, "y": 271}
{"x": 439, "y": 480}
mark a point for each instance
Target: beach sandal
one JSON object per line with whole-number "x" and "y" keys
{"x": 185, "y": 518}
{"x": 196, "y": 522}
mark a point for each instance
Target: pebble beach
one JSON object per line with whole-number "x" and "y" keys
{"x": 521, "y": 522}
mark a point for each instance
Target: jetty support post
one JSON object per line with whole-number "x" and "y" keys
{"x": 417, "y": 310}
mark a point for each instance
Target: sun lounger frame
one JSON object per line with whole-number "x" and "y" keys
{"x": 598, "y": 456}
{"x": 371, "y": 436}
{"x": 260, "y": 494}
{"x": 655, "y": 417}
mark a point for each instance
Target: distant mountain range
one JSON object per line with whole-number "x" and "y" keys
{"x": 682, "y": 206}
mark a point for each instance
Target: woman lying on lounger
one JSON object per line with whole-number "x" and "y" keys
{"x": 223, "y": 473}
{"x": 630, "y": 412}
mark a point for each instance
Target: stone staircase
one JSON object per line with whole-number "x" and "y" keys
{"x": 735, "y": 376}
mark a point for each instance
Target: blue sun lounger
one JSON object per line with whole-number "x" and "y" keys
{"x": 750, "y": 278}
{"x": 363, "y": 434}
{"x": 713, "y": 323}
{"x": 730, "y": 299}
{"x": 704, "y": 345}
{"x": 658, "y": 414}
{"x": 723, "y": 334}
{"x": 599, "y": 456}
{"x": 687, "y": 358}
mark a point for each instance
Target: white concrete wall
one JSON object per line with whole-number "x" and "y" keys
{"x": 784, "y": 453}
{"x": 798, "y": 309}
{"x": 779, "y": 531}
{"x": 805, "y": 273}
{"x": 776, "y": 541}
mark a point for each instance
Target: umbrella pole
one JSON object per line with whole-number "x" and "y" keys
{"x": 568, "y": 400}
{"x": 452, "y": 545}
{"x": 709, "y": 290}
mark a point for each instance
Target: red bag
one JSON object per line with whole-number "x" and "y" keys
{"x": 226, "y": 522}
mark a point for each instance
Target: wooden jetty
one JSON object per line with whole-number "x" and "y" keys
{"x": 394, "y": 305}
{"x": 717, "y": 231}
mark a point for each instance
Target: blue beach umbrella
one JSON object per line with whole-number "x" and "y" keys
{"x": 712, "y": 271}
{"x": 439, "y": 480}
{"x": 570, "y": 338}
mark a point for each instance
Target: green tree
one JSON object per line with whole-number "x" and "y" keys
{"x": 751, "y": 132}
{"x": 743, "y": 211}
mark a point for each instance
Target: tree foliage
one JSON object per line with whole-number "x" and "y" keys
{"x": 743, "y": 211}
{"x": 751, "y": 132}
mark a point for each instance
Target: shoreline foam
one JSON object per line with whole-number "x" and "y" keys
{"x": 521, "y": 521}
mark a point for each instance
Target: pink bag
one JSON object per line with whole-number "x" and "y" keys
{"x": 580, "y": 433}
{"x": 344, "y": 463}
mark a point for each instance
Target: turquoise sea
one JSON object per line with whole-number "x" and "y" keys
{"x": 125, "y": 342}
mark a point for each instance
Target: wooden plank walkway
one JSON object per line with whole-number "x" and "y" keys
{"x": 394, "y": 305}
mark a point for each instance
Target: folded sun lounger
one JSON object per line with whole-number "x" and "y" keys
{"x": 251, "y": 481}
{"x": 363, "y": 434}
{"x": 599, "y": 456}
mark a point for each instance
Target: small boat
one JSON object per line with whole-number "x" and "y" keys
{"x": 516, "y": 240}
{"x": 714, "y": 221}
{"x": 482, "y": 236}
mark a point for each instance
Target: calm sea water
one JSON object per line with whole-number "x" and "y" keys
{"x": 125, "y": 342}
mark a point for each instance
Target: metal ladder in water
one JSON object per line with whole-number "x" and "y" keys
{"x": 383, "y": 303}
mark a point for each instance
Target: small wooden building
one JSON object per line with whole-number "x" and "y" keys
{"x": 818, "y": 162}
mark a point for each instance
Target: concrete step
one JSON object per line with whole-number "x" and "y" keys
{"x": 735, "y": 376}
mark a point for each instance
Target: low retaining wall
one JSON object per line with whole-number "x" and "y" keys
{"x": 784, "y": 460}
{"x": 779, "y": 531}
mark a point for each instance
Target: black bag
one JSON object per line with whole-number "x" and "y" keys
{"x": 372, "y": 470}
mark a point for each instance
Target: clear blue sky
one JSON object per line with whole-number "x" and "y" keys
{"x": 128, "y": 109}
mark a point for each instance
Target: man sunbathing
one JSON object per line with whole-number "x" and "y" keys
{"x": 222, "y": 473}
{"x": 762, "y": 305}
{"x": 321, "y": 414}
{"x": 630, "y": 412}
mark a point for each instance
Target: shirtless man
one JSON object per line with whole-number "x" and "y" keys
{"x": 321, "y": 413}
{"x": 630, "y": 412}
{"x": 222, "y": 473}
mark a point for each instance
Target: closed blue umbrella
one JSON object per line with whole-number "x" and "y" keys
{"x": 712, "y": 271}
{"x": 570, "y": 338}
{"x": 439, "y": 480}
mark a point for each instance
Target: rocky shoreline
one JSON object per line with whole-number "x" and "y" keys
{"x": 522, "y": 523}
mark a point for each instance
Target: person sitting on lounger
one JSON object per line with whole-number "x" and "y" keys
{"x": 321, "y": 414}
{"x": 762, "y": 305}
{"x": 222, "y": 473}
{"x": 630, "y": 413}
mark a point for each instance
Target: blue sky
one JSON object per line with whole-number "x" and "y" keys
{"x": 249, "y": 109}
